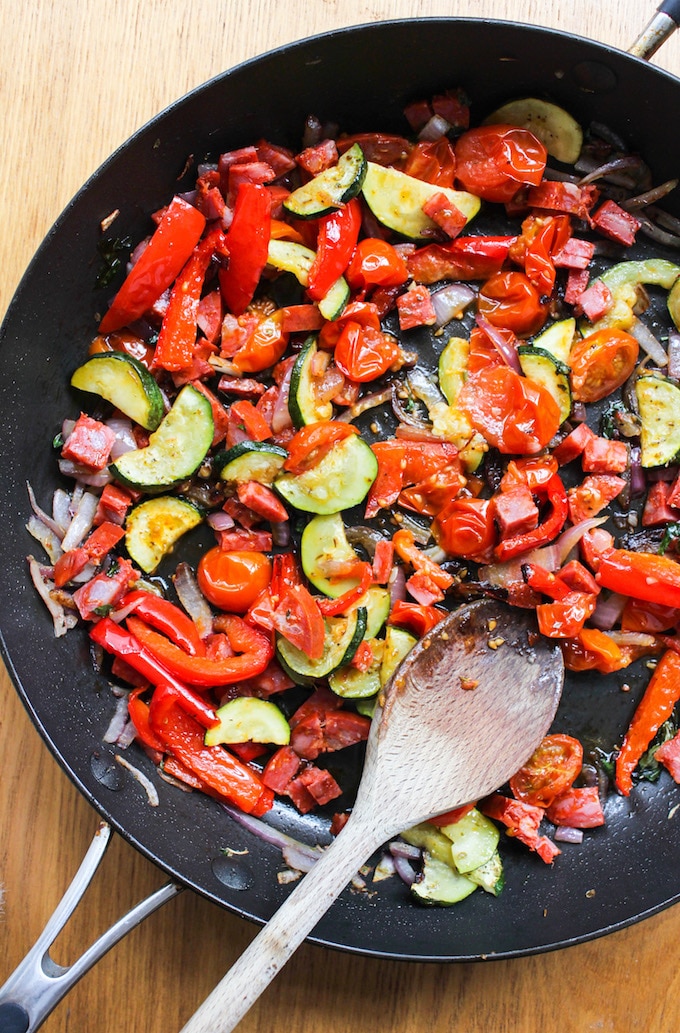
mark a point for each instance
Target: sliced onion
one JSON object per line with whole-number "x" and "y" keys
{"x": 649, "y": 343}
{"x": 650, "y": 196}
{"x": 192, "y": 599}
{"x": 366, "y": 403}
{"x": 608, "y": 610}
{"x": 425, "y": 387}
{"x": 451, "y": 301}
{"x": 281, "y": 418}
{"x": 366, "y": 537}
{"x": 274, "y": 837}
{"x": 54, "y": 525}
{"x": 400, "y": 848}
{"x": 405, "y": 870}
{"x": 92, "y": 478}
{"x": 567, "y": 834}
{"x": 507, "y": 351}
{"x": 654, "y": 232}
{"x": 397, "y": 585}
{"x": 82, "y": 521}
{"x": 435, "y": 127}
{"x": 611, "y": 169}
{"x": 220, "y": 521}
{"x": 125, "y": 439}
{"x": 638, "y": 480}
{"x": 61, "y": 510}
{"x": 139, "y": 776}
{"x": 62, "y": 619}
{"x": 281, "y": 533}
{"x": 674, "y": 355}
{"x": 118, "y": 721}
{"x": 410, "y": 419}
{"x": 46, "y": 536}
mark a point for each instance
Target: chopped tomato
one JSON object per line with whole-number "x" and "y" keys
{"x": 313, "y": 442}
{"x": 511, "y": 301}
{"x": 363, "y": 353}
{"x": 494, "y": 161}
{"x": 512, "y": 413}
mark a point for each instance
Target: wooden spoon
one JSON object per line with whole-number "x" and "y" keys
{"x": 462, "y": 714}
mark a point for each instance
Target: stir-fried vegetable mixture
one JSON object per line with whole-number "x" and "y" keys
{"x": 377, "y": 377}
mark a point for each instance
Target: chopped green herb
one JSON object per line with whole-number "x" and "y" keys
{"x": 112, "y": 251}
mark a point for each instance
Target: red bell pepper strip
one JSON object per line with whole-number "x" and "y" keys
{"x": 214, "y": 765}
{"x": 166, "y": 617}
{"x": 177, "y": 337}
{"x": 248, "y": 243}
{"x": 337, "y": 239}
{"x": 138, "y": 709}
{"x": 655, "y": 707}
{"x": 414, "y": 617}
{"x": 332, "y": 607}
{"x": 253, "y": 648}
{"x": 544, "y": 581}
{"x": 641, "y": 575}
{"x": 545, "y": 532}
{"x": 406, "y": 548}
{"x": 175, "y": 238}
{"x": 122, "y": 643}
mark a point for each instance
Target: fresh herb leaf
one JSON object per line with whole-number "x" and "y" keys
{"x": 112, "y": 251}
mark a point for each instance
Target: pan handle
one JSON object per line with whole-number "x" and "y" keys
{"x": 663, "y": 24}
{"x": 38, "y": 984}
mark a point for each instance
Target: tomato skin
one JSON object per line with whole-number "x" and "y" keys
{"x": 312, "y": 442}
{"x": 515, "y": 415}
{"x": 233, "y": 580}
{"x": 494, "y": 161}
{"x": 264, "y": 347}
{"x": 433, "y": 162}
{"x": 375, "y": 263}
{"x": 466, "y": 528}
{"x": 511, "y": 301}
{"x": 549, "y": 772}
{"x": 363, "y": 353}
{"x": 601, "y": 362}
{"x": 565, "y": 618}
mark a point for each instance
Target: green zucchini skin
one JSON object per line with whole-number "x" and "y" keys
{"x": 154, "y": 527}
{"x": 658, "y": 401}
{"x": 290, "y": 257}
{"x": 340, "y": 480}
{"x": 396, "y": 199}
{"x": 331, "y": 189}
{"x": 175, "y": 450}
{"x": 303, "y": 406}
{"x": 249, "y": 719}
{"x": 343, "y": 637}
{"x": 548, "y": 372}
{"x": 124, "y": 382}
{"x": 251, "y": 461}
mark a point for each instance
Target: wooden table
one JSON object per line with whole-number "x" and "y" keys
{"x": 77, "y": 78}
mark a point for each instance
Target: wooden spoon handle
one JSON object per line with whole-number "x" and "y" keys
{"x": 285, "y": 931}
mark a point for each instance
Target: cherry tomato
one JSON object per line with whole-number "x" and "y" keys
{"x": 515, "y": 415}
{"x": 124, "y": 341}
{"x": 493, "y": 161}
{"x": 264, "y": 347}
{"x": 466, "y": 528}
{"x": 433, "y": 162}
{"x": 600, "y": 363}
{"x": 550, "y": 770}
{"x": 363, "y": 312}
{"x": 593, "y": 650}
{"x": 375, "y": 263}
{"x": 232, "y": 581}
{"x": 382, "y": 148}
{"x": 312, "y": 442}
{"x": 363, "y": 353}
{"x": 565, "y": 618}
{"x": 511, "y": 301}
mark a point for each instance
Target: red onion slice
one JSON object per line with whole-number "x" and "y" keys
{"x": 451, "y": 301}
{"x": 649, "y": 343}
{"x": 508, "y": 352}
{"x": 674, "y": 355}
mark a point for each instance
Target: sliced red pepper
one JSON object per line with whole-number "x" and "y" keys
{"x": 312, "y": 442}
{"x": 332, "y": 607}
{"x": 123, "y": 644}
{"x": 406, "y": 548}
{"x": 545, "y": 532}
{"x": 383, "y": 560}
{"x": 138, "y": 709}
{"x": 642, "y": 575}
{"x": 655, "y": 707}
{"x": 544, "y": 581}
{"x": 248, "y": 243}
{"x": 565, "y": 617}
{"x": 466, "y": 258}
{"x": 337, "y": 239}
{"x": 214, "y": 765}
{"x": 298, "y": 618}
{"x": 253, "y": 651}
{"x": 414, "y": 617}
{"x": 176, "y": 236}
{"x": 177, "y": 337}
{"x": 163, "y": 615}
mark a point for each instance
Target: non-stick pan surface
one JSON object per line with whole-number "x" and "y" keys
{"x": 361, "y": 78}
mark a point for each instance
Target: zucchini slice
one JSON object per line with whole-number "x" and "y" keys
{"x": 251, "y": 461}
{"x": 331, "y": 188}
{"x": 343, "y": 635}
{"x": 624, "y": 280}
{"x": 397, "y": 200}
{"x": 557, "y": 339}
{"x": 175, "y": 450}
{"x": 547, "y": 371}
{"x": 126, "y": 383}
{"x": 474, "y": 840}
{"x": 303, "y": 405}
{"x": 440, "y": 884}
{"x": 290, "y": 257}
{"x": 674, "y": 303}
{"x": 324, "y": 540}
{"x": 351, "y": 683}
{"x": 377, "y": 604}
{"x": 659, "y": 403}
{"x": 560, "y": 134}
{"x": 153, "y": 528}
{"x": 490, "y": 876}
{"x": 398, "y": 644}
{"x": 453, "y": 367}
{"x": 340, "y": 480}
{"x": 248, "y": 719}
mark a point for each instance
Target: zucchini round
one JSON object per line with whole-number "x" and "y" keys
{"x": 153, "y": 528}
{"x": 126, "y": 383}
{"x": 558, "y": 131}
{"x": 548, "y": 372}
{"x": 175, "y": 450}
{"x": 343, "y": 636}
{"x": 323, "y": 540}
{"x": 659, "y": 404}
{"x": 331, "y": 188}
{"x": 340, "y": 480}
{"x": 303, "y": 405}
{"x": 251, "y": 461}
{"x": 290, "y": 257}
{"x": 397, "y": 200}
{"x": 249, "y": 719}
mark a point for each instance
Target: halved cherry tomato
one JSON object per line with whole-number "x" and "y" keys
{"x": 123, "y": 341}
{"x": 415, "y": 617}
{"x": 551, "y": 769}
{"x": 601, "y": 362}
{"x": 363, "y": 312}
{"x": 312, "y": 442}
{"x": 466, "y": 528}
{"x": 565, "y": 618}
{"x": 265, "y": 345}
{"x": 514, "y": 414}
{"x": 382, "y": 148}
{"x": 494, "y": 161}
{"x": 593, "y": 650}
{"x": 511, "y": 301}
{"x": 375, "y": 263}
{"x": 363, "y": 353}
{"x": 233, "y": 580}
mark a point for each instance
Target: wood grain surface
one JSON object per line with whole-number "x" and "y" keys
{"x": 76, "y": 78}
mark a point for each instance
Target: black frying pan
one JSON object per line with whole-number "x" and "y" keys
{"x": 362, "y": 78}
